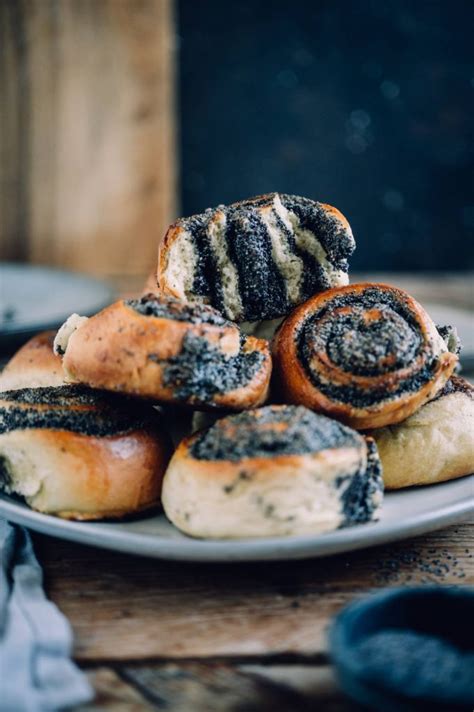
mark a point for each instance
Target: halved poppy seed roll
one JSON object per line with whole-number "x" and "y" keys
{"x": 257, "y": 259}
{"x": 366, "y": 354}
{"x": 274, "y": 471}
{"x": 167, "y": 351}
{"x": 81, "y": 454}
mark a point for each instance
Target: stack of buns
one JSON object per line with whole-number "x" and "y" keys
{"x": 302, "y": 433}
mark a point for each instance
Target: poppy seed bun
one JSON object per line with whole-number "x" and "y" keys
{"x": 366, "y": 354}
{"x": 167, "y": 351}
{"x": 275, "y": 471}
{"x": 434, "y": 444}
{"x": 79, "y": 454}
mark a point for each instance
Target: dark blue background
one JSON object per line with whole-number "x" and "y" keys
{"x": 365, "y": 105}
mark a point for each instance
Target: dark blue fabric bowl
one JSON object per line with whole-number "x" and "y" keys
{"x": 407, "y": 649}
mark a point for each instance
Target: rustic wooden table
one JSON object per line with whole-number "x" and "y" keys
{"x": 233, "y": 637}
{"x": 230, "y": 637}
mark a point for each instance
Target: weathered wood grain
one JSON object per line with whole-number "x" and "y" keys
{"x": 124, "y": 608}
{"x": 113, "y": 694}
{"x": 87, "y": 147}
{"x": 219, "y": 687}
{"x": 216, "y": 687}
{"x": 315, "y": 682}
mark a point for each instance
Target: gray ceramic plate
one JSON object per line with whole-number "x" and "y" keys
{"x": 463, "y": 320}
{"x": 404, "y": 514}
{"x": 34, "y": 299}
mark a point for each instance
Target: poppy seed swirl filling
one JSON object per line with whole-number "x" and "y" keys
{"x": 73, "y": 408}
{"x": 259, "y": 278}
{"x": 272, "y": 431}
{"x": 361, "y": 498}
{"x": 367, "y": 335}
{"x": 165, "y": 307}
{"x": 200, "y": 371}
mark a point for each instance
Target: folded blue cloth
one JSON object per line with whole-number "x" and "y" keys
{"x": 36, "y": 670}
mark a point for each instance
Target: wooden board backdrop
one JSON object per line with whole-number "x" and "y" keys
{"x": 87, "y": 134}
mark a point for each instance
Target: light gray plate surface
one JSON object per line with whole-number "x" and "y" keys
{"x": 463, "y": 320}
{"x": 35, "y": 298}
{"x": 405, "y": 514}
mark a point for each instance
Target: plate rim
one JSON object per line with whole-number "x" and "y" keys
{"x": 243, "y": 550}
{"x": 19, "y": 329}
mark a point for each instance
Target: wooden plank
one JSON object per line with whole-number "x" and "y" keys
{"x": 219, "y": 687}
{"x": 88, "y": 169}
{"x": 314, "y": 682}
{"x": 13, "y": 135}
{"x": 113, "y": 693}
{"x": 225, "y": 688}
{"x": 124, "y": 608}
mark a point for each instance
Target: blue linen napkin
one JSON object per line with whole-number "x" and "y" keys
{"x": 36, "y": 670}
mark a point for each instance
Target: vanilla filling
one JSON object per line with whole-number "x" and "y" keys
{"x": 229, "y": 277}
{"x": 289, "y": 265}
{"x": 181, "y": 265}
{"x": 65, "y": 332}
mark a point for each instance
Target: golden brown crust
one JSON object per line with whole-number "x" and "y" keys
{"x": 78, "y": 476}
{"x": 163, "y": 284}
{"x": 33, "y": 365}
{"x": 122, "y": 350}
{"x": 335, "y": 213}
{"x": 296, "y": 386}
